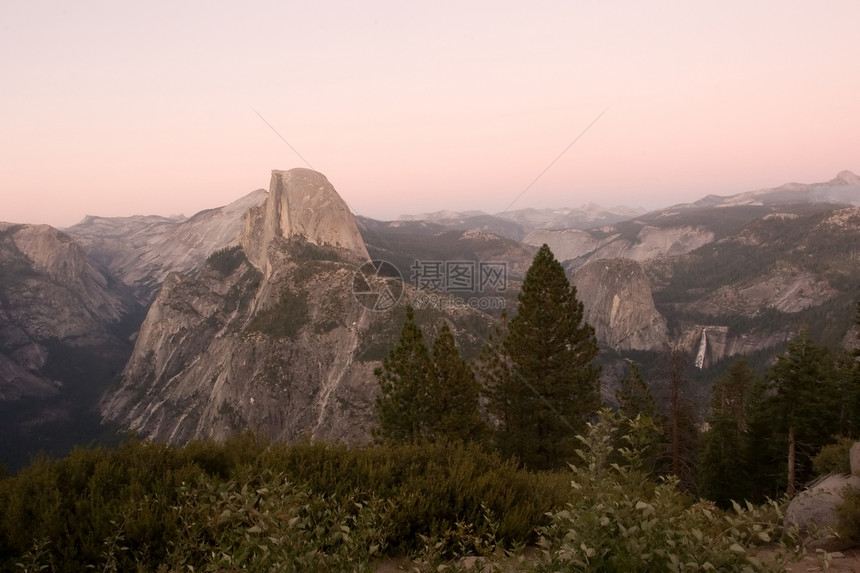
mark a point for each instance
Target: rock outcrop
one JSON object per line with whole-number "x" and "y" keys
{"x": 267, "y": 335}
{"x": 815, "y": 510}
{"x": 301, "y": 203}
{"x": 64, "y": 327}
{"x": 142, "y": 250}
{"x": 617, "y": 298}
{"x": 218, "y": 354}
{"x": 648, "y": 242}
{"x": 708, "y": 344}
{"x": 51, "y": 298}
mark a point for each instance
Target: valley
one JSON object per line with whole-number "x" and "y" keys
{"x": 245, "y": 316}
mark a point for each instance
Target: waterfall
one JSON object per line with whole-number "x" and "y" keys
{"x": 703, "y": 347}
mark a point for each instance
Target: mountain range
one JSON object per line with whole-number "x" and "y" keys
{"x": 271, "y": 312}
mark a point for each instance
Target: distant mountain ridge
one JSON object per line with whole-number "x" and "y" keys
{"x": 142, "y": 250}
{"x": 720, "y": 276}
{"x": 517, "y": 223}
{"x": 842, "y": 189}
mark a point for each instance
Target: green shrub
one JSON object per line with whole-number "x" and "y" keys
{"x": 78, "y": 506}
{"x": 618, "y": 521}
{"x": 432, "y": 487}
{"x": 266, "y": 523}
{"x": 151, "y": 505}
{"x": 835, "y": 458}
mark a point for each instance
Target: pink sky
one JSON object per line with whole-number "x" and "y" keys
{"x": 115, "y": 109}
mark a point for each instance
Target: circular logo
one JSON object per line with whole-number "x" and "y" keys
{"x": 377, "y": 285}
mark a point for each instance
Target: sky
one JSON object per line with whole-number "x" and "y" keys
{"x": 119, "y": 108}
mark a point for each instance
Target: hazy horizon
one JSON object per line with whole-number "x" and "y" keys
{"x": 162, "y": 109}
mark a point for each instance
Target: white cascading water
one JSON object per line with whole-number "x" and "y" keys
{"x": 703, "y": 346}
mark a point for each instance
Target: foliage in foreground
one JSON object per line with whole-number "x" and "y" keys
{"x": 620, "y": 521}
{"x": 249, "y": 503}
{"x": 252, "y": 505}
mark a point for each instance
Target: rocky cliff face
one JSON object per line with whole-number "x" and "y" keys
{"x": 142, "y": 250}
{"x": 709, "y": 344}
{"x": 64, "y": 327}
{"x": 273, "y": 340}
{"x": 301, "y": 203}
{"x": 649, "y": 242}
{"x": 51, "y": 295}
{"x": 219, "y": 353}
{"x": 617, "y": 298}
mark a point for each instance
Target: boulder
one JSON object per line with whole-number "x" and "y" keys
{"x": 854, "y": 456}
{"x": 814, "y": 510}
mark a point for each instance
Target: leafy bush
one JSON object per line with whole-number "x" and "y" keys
{"x": 78, "y": 503}
{"x": 431, "y": 487}
{"x": 835, "y": 458}
{"x": 249, "y": 503}
{"x": 266, "y": 523}
{"x": 619, "y": 521}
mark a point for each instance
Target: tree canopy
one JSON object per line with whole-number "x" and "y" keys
{"x": 541, "y": 383}
{"x": 426, "y": 397}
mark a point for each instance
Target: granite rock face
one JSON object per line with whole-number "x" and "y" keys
{"x": 815, "y": 510}
{"x": 267, "y": 335}
{"x": 53, "y": 301}
{"x": 648, "y": 243}
{"x": 65, "y": 325}
{"x": 617, "y": 298}
{"x": 142, "y": 250}
{"x": 301, "y": 203}
{"x": 221, "y": 353}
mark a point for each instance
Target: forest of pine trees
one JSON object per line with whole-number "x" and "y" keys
{"x": 539, "y": 381}
{"x": 535, "y": 386}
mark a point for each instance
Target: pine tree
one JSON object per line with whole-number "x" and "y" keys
{"x": 722, "y": 475}
{"x": 847, "y": 387}
{"x": 424, "y": 398}
{"x": 635, "y": 400}
{"x": 801, "y": 383}
{"x": 542, "y": 385}
{"x": 634, "y": 397}
{"x": 404, "y": 382}
{"x": 762, "y": 446}
{"x": 682, "y": 431}
{"x": 679, "y": 417}
{"x": 453, "y": 411}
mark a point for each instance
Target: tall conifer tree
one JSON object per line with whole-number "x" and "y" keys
{"x": 541, "y": 382}
{"x": 404, "y": 383}
{"x": 723, "y": 475}
{"x": 453, "y": 403}
{"x": 803, "y": 404}
{"x": 424, "y": 397}
{"x": 634, "y": 397}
